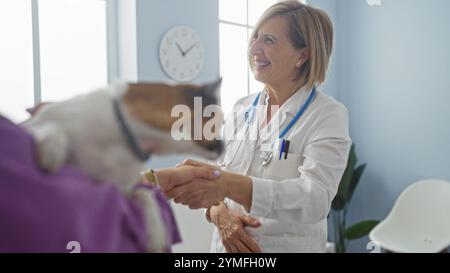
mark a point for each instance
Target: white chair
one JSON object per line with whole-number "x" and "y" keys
{"x": 419, "y": 220}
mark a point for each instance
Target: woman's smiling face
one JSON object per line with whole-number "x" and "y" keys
{"x": 274, "y": 58}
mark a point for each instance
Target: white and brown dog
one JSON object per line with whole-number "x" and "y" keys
{"x": 110, "y": 133}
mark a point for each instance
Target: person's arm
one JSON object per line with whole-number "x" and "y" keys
{"x": 306, "y": 198}
{"x": 169, "y": 178}
{"x": 205, "y": 192}
{"x": 238, "y": 188}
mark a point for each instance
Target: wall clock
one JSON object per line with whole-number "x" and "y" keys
{"x": 181, "y": 53}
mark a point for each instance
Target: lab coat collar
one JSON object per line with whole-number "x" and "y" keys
{"x": 286, "y": 112}
{"x": 293, "y": 104}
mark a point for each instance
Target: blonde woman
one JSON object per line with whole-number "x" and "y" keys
{"x": 278, "y": 189}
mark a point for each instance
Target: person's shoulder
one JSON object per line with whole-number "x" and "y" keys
{"x": 331, "y": 118}
{"x": 328, "y": 103}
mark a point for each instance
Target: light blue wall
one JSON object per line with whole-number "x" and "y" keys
{"x": 394, "y": 67}
{"x": 155, "y": 17}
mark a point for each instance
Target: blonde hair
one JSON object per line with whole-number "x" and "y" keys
{"x": 310, "y": 28}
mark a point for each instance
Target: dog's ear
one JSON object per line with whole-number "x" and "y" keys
{"x": 211, "y": 92}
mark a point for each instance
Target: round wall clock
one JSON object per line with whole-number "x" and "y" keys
{"x": 181, "y": 53}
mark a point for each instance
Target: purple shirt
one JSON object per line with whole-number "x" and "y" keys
{"x": 43, "y": 213}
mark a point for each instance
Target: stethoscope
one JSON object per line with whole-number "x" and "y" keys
{"x": 249, "y": 117}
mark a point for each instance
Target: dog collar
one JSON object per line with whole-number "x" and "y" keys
{"x": 131, "y": 139}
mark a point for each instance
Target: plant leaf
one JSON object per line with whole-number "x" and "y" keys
{"x": 355, "y": 180}
{"x": 338, "y": 203}
{"x": 347, "y": 176}
{"x": 360, "y": 229}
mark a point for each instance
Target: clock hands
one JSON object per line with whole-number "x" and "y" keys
{"x": 189, "y": 49}
{"x": 183, "y": 53}
{"x": 181, "y": 50}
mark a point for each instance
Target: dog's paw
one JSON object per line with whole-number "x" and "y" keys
{"x": 52, "y": 147}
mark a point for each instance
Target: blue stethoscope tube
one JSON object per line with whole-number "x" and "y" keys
{"x": 250, "y": 115}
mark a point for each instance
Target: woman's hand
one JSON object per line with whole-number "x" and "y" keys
{"x": 231, "y": 229}
{"x": 172, "y": 177}
{"x": 202, "y": 193}
{"x": 191, "y": 162}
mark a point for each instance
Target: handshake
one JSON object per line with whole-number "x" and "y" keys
{"x": 193, "y": 183}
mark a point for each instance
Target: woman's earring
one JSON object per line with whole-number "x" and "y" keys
{"x": 299, "y": 64}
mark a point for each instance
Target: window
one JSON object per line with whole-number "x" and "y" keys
{"x": 237, "y": 19}
{"x": 16, "y": 55}
{"x": 50, "y": 50}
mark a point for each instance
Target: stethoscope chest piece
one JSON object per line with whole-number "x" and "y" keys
{"x": 266, "y": 157}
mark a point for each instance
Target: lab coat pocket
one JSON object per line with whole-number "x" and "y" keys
{"x": 280, "y": 169}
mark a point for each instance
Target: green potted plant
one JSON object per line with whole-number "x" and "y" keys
{"x": 340, "y": 204}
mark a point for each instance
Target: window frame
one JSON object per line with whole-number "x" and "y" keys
{"x": 248, "y": 27}
{"x": 111, "y": 50}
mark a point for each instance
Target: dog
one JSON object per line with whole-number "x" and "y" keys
{"x": 109, "y": 134}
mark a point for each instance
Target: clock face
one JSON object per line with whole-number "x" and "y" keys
{"x": 181, "y": 53}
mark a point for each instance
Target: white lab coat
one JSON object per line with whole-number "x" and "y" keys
{"x": 291, "y": 197}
